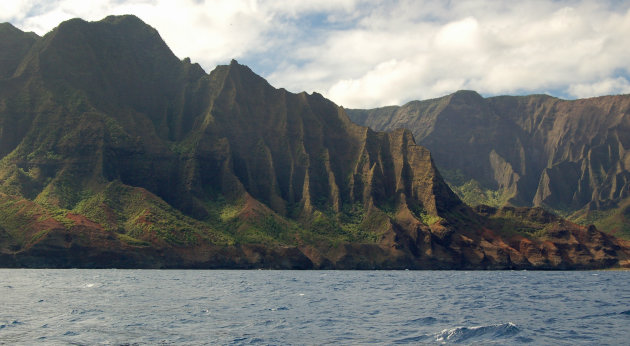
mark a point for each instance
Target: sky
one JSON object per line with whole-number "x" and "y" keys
{"x": 365, "y": 54}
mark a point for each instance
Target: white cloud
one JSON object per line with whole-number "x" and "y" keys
{"x": 209, "y": 31}
{"x": 526, "y": 49}
{"x": 366, "y": 54}
{"x": 608, "y": 86}
{"x": 459, "y": 36}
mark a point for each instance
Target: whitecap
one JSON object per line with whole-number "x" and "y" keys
{"x": 465, "y": 334}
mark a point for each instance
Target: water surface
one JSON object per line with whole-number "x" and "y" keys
{"x": 313, "y": 307}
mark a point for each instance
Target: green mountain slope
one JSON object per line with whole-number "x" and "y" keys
{"x": 116, "y": 153}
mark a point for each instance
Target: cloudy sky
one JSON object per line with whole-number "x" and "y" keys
{"x": 374, "y": 53}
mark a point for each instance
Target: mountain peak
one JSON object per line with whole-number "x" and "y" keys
{"x": 70, "y": 25}
{"x": 125, "y": 18}
{"x": 466, "y": 95}
{"x": 113, "y": 35}
{"x": 235, "y": 65}
{"x": 14, "y": 45}
{"x": 243, "y": 75}
{"x": 119, "y": 58}
{"x": 8, "y": 27}
{"x": 117, "y": 20}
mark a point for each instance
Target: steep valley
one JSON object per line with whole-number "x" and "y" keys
{"x": 567, "y": 156}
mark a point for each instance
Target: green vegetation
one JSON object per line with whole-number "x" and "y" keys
{"x": 352, "y": 224}
{"x": 508, "y": 222}
{"x": 356, "y": 222}
{"x": 15, "y": 216}
{"x": 61, "y": 216}
{"x": 424, "y": 216}
{"x": 428, "y": 219}
{"x": 257, "y": 228}
{"x": 471, "y": 191}
{"x": 143, "y": 216}
{"x": 26, "y": 222}
{"x": 39, "y": 235}
{"x": 615, "y": 221}
{"x": 131, "y": 241}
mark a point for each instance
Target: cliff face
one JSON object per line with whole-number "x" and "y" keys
{"x": 115, "y": 153}
{"x": 569, "y": 156}
{"x": 580, "y": 148}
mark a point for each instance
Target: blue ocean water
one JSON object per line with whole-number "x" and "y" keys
{"x": 313, "y": 307}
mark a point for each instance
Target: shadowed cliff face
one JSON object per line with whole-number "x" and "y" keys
{"x": 14, "y": 44}
{"x": 580, "y": 146}
{"x": 531, "y": 150}
{"x": 301, "y": 150}
{"x": 116, "y": 153}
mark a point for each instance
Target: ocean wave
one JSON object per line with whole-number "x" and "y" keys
{"x": 466, "y": 334}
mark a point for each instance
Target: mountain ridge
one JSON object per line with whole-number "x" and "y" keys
{"x": 537, "y": 150}
{"x": 115, "y": 153}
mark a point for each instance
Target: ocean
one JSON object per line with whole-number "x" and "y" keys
{"x": 235, "y": 307}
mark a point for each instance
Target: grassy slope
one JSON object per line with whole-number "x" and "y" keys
{"x": 472, "y": 192}
{"x": 615, "y": 221}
